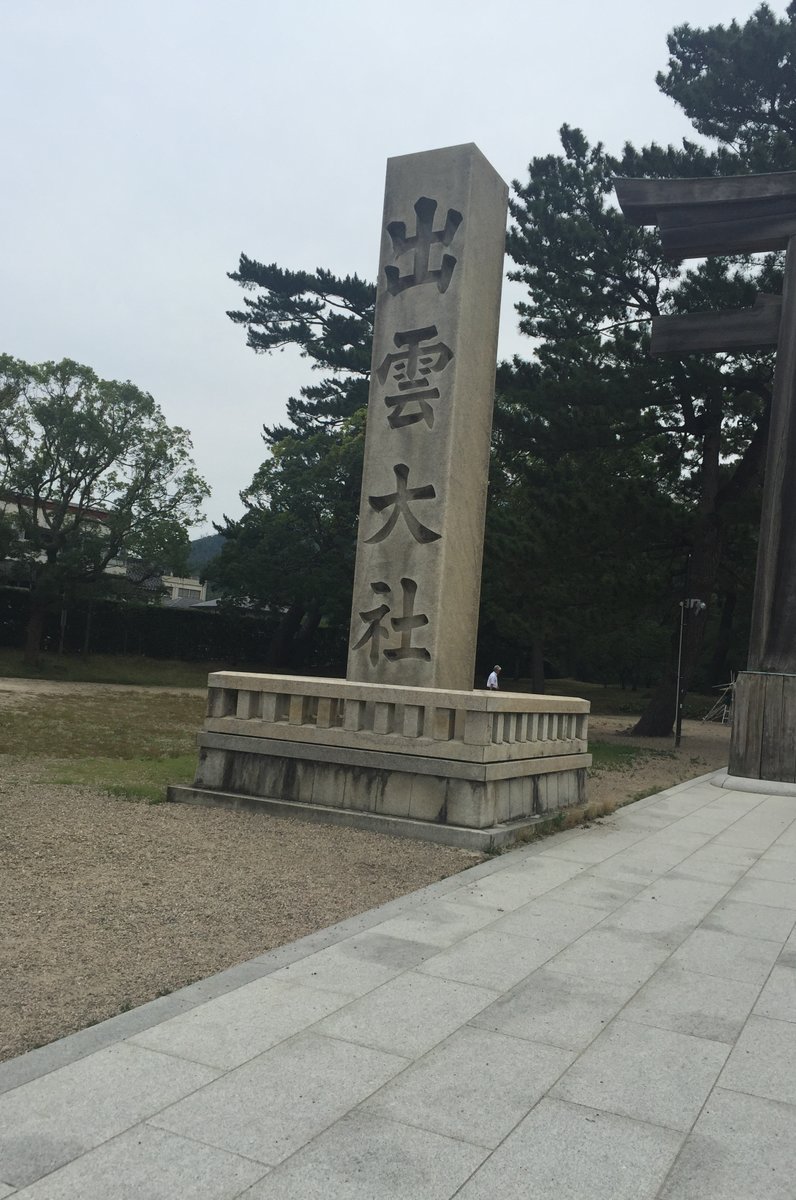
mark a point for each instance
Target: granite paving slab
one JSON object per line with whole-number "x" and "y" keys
{"x": 727, "y": 955}
{"x": 614, "y": 955}
{"x": 235, "y": 1028}
{"x": 778, "y": 997}
{"x": 741, "y": 1148}
{"x": 751, "y": 920}
{"x": 437, "y": 1092}
{"x": 763, "y": 1061}
{"x": 51, "y": 1120}
{"x": 364, "y": 1157}
{"x": 550, "y": 921}
{"x": 649, "y": 1074}
{"x": 510, "y": 889}
{"x": 609, "y": 1014}
{"x": 151, "y": 1163}
{"x": 489, "y": 959}
{"x": 701, "y": 1005}
{"x": 593, "y": 891}
{"x": 769, "y": 892}
{"x": 358, "y": 964}
{"x": 568, "y": 1152}
{"x": 409, "y": 1014}
{"x": 278, "y": 1102}
{"x": 560, "y": 1010}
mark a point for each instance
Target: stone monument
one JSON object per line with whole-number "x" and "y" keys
{"x": 421, "y": 524}
{"x": 737, "y": 215}
{"x": 404, "y": 744}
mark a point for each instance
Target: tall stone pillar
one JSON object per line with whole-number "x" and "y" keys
{"x": 421, "y": 525}
{"x": 404, "y": 744}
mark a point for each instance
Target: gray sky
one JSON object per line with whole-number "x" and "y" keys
{"x": 146, "y": 143}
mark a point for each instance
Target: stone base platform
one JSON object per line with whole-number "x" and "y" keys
{"x": 464, "y": 768}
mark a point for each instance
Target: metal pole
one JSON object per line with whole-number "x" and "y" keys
{"x": 678, "y": 711}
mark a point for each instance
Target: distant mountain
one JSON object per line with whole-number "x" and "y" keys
{"x": 204, "y": 549}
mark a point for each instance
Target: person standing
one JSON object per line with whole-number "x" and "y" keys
{"x": 492, "y": 681}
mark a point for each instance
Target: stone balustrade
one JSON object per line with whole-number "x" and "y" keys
{"x": 478, "y": 726}
{"x": 466, "y": 768}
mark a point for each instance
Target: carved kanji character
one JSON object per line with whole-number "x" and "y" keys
{"x": 399, "y": 501}
{"x": 406, "y": 624}
{"x": 373, "y": 618}
{"x": 424, "y": 238}
{"x": 410, "y": 369}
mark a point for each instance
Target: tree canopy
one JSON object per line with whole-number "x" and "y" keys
{"x": 89, "y": 471}
{"x": 293, "y": 550}
{"x": 609, "y": 469}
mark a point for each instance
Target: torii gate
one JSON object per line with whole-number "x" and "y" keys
{"x": 741, "y": 215}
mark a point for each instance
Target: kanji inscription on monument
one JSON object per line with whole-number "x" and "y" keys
{"x": 421, "y": 524}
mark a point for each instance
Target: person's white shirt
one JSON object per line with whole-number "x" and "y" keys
{"x": 492, "y": 681}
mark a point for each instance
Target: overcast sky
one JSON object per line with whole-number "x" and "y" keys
{"x": 147, "y": 143}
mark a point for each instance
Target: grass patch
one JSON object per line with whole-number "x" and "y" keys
{"x": 609, "y": 756}
{"x": 568, "y": 818}
{"x": 128, "y": 744}
{"x": 127, "y": 778}
{"x": 116, "y": 725}
{"x": 110, "y": 668}
{"x": 648, "y": 791}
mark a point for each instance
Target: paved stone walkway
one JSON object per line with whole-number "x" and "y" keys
{"x": 608, "y": 1015}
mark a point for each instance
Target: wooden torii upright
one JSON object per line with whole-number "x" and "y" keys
{"x": 741, "y": 215}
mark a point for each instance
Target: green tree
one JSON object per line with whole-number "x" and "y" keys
{"x": 737, "y": 84}
{"x": 654, "y": 459}
{"x": 595, "y": 282}
{"x": 565, "y": 567}
{"x": 89, "y": 471}
{"x": 293, "y": 550}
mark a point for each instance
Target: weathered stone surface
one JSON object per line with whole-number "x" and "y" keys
{"x": 474, "y": 726}
{"x": 416, "y": 587}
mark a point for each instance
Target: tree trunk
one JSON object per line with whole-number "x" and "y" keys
{"x": 34, "y": 634}
{"x": 310, "y": 622}
{"x": 303, "y": 636}
{"x": 537, "y": 666}
{"x": 282, "y": 641}
{"x": 87, "y": 633}
{"x": 718, "y": 665}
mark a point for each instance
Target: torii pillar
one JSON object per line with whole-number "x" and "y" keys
{"x": 741, "y": 215}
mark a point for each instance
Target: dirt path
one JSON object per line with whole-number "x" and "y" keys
{"x": 11, "y": 689}
{"x": 704, "y": 747}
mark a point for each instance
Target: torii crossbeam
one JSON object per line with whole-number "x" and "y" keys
{"x": 738, "y": 215}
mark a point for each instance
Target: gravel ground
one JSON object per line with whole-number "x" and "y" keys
{"x": 108, "y": 903}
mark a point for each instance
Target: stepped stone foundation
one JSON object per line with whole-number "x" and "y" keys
{"x": 470, "y": 769}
